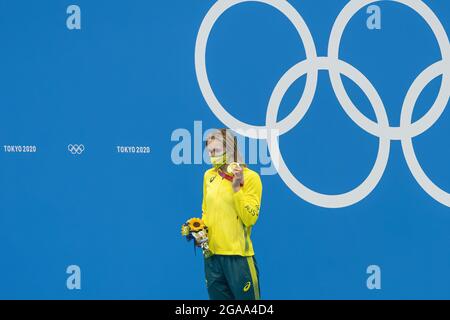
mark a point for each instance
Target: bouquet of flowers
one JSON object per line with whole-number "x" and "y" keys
{"x": 195, "y": 229}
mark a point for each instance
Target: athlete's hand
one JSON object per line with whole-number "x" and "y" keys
{"x": 197, "y": 244}
{"x": 238, "y": 179}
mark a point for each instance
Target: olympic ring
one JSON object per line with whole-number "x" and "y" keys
{"x": 394, "y": 133}
{"x": 296, "y": 115}
{"x": 408, "y": 150}
{"x": 75, "y": 148}
{"x": 357, "y": 194}
{"x": 311, "y": 66}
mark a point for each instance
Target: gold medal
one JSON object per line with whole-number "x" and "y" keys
{"x": 232, "y": 166}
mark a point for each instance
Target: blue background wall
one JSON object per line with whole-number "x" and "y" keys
{"x": 127, "y": 78}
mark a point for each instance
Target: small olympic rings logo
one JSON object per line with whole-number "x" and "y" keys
{"x": 75, "y": 148}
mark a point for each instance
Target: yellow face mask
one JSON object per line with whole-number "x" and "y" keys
{"x": 218, "y": 161}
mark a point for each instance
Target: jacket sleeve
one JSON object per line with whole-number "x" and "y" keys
{"x": 204, "y": 198}
{"x": 248, "y": 199}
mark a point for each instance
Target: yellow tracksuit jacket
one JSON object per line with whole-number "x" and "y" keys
{"x": 230, "y": 215}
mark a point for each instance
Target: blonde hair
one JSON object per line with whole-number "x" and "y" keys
{"x": 230, "y": 145}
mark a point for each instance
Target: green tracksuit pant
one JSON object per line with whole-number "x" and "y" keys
{"x": 232, "y": 277}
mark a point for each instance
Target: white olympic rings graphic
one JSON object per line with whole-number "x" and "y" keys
{"x": 75, "y": 148}
{"x": 311, "y": 66}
